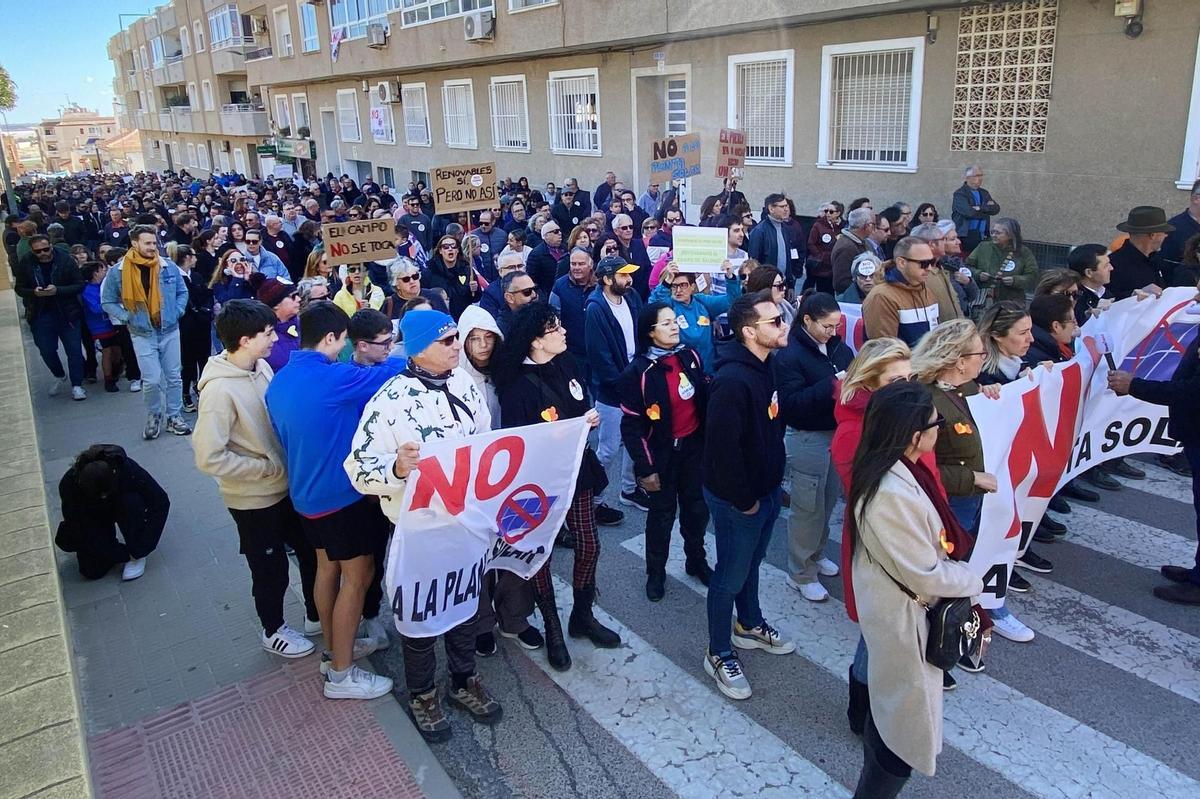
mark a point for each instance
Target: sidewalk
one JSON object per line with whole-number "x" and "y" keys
{"x": 179, "y": 698}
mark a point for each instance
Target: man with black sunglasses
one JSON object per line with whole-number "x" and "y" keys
{"x": 50, "y": 284}
{"x": 419, "y": 225}
{"x": 519, "y": 290}
{"x": 902, "y": 306}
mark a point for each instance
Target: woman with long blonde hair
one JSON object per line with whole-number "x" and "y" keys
{"x": 317, "y": 265}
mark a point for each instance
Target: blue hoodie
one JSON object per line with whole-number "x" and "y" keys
{"x": 315, "y": 406}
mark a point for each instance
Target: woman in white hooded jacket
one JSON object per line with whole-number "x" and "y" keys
{"x": 480, "y": 336}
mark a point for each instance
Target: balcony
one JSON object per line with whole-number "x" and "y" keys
{"x": 260, "y": 54}
{"x": 229, "y": 57}
{"x": 244, "y": 120}
{"x": 170, "y": 72}
{"x": 165, "y": 123}
{"x": 181, "y": 118}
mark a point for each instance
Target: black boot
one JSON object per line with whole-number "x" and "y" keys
{"x": 860, "y": 705}
{"x": 556, "y": 646}
{"x": 655, "y": 584}
{"x": 584, "y": 625}
{"x": 565, "y": 538}
{"x": 876, "y": 782}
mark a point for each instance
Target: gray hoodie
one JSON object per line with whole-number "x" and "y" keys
{"x": 476, "y": 318}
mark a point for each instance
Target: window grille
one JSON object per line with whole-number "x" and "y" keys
{"x": 870, "y": 107}
{"x": 762, "y": 108}
{"x": 574, "y": 102}
{"x": 458, "y": 113}
{"x": 416, "y": 115}
{"x": 510, "y": 114}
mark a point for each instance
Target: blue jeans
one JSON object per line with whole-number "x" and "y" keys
{"x": 741, "y": 544}
{"x": 49, "y": 328}
{"x": 609, "y": 444}
{"x": 1192, "y": 453}
{"x": 859, "y": 667}
{"x": 162, "y": 379}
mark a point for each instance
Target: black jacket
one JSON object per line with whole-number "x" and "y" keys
{"x": 74, "y": 231}
{"x": 647, "y": 436}
{"x": 1043, "y": 348}
{"x": 743, "y": 430}
{"x": 567, "y": 218}
{"x": 136, "y": 492}
{"x": 421, "y": 227}
{"x": 805, "y": 378}
{"x": 64, "y": 275}
{"x": 543, "y": 268}
{"x": 1132, "y": 270}
{"x": 762, "y": 245}
{"x": 1181, "y": 394}
{"x": 455, "y": 281}
{"x": 1085, "y": 301}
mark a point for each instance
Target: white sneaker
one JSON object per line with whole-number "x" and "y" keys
{"x": 827, "y": 567}
{"x": 77, "y": 393}
{"x": 133, "y": 569}
{"x": 727, "y": 672}
{"x": 58, "y": 386}
{"x": 362, "y": 648}
{"x": 374, "y": 630}
{"x": 358, "y": 684}
{"x": 287, "y": 643}
{"x": 1011, "y": 628}
{"x": 135, "y": 386}
{"x": 813, "y": 592}
{"x": 312, "y": 627}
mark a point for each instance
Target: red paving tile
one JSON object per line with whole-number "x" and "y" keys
{"x": 274, "y": 735}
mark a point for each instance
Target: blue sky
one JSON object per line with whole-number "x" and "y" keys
{"x": 59, "y": 50}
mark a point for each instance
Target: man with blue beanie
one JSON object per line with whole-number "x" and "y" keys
{"x": 315, "y": 406}
{"x": 432, "y": 399}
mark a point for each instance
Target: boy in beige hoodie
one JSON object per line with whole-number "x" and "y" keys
{"x": 236, "y": 444}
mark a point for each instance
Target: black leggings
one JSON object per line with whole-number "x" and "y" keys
{"x": 886, "y": 758}
{"x": 263, "y": 533}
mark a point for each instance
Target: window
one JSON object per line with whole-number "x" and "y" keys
{"x": 1002, "y": 77}
{"x": 347, "y": 108}
{"x": 523, "y": 5}
{"x": 355, "y": 15}
{"x": 1190, "y": 172}
{"x": 145, "y": 61}
{"x": 224, "y": 159}
{"x": 510, "y": 114}
{"x": 574, "y": 107}
{"x": 239, "y": 160}
{"x": 871, "y": 104}
{"x": 309, "y": 41}
{"x": 191, "y": 97}
{"x": 141, "y": 95}
{"x": 283, "y": 117}
{"x": 228, "y": 28}
{"x": 418, "y": 12}
{"x": 415, "y": 105}
{"x": 198, "y": 34}
{"x": 202, "y": 155}
{"x": 760, "y": 103}
{"x": 185, "y": 41}
{"x": 383, "y": 123}
{"x": 206, "y": 90}
{"x": 300, "y": 112}
{"x": 191, "y": 154}
{"x": 283, "y": 33}
{"x": 156, "y": 51}
{"x": 458, "y": 113}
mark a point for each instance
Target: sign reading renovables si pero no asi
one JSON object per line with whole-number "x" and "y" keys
{"x": 470, "y": 187}
{"x": 359, "y": 241}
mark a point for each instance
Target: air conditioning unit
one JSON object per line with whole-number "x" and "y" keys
{"x": 479, "y": 26}
{"x": 387, "y": 91}
{"x": 377, "y": 34}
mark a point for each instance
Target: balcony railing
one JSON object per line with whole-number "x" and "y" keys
{"x": 244, "y": 119}
{"x": 258, "y": 55}
{"x": 232, "y": 42}
{"x": 229, "y": 60}
{"x": 181, "y": 116}
{"x": 165, "y": 121}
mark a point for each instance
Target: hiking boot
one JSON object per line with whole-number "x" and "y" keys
{"x": 475, "y": 699}
{"x": 428, "y": 717}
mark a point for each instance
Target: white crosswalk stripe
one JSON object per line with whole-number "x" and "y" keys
{"x": 1161, "y": 482}
{"x": 1134, "y": 542}
{"x": 666, "y": 718}
{"x": 1044, "y": 751}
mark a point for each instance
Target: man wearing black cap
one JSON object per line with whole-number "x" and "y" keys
{"x": 609, "y": 337}
{"x": 1135, "y": 266}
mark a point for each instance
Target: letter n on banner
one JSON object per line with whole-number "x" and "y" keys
{"x": 1031, "y": 444}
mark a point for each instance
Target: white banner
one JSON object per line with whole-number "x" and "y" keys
{"x": 1057, "y": 423}
{"x": 491, "y": 501}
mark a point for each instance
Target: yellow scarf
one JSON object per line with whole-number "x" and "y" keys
{"x": 133, "y": 294}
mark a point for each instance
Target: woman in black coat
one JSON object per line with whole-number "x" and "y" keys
{"x": 537, "y": 383}
{"x": 105, "y": 489}
{"x": 806, "y": 372}
{"x": 449, "y": 271}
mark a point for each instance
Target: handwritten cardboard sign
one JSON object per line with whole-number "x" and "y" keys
{"x": 674, "y": 158}
{"x": 731, "y": 153}
{"x": 469, "y": 187}
{"x": 359, "y": 241}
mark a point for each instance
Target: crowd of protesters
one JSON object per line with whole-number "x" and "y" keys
{"x": 716, "y": 398}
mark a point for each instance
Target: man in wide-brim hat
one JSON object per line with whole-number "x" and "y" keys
{"x": 1135, "y": 264}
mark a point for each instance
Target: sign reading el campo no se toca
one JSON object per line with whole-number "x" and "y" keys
{"x": 360, "y": 241}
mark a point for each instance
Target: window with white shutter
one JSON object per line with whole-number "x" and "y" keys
{"x": 510, "y": 114}
{"x": 458, "y": 113}
{"x": 574, "y": 110}
{"x": 871, "y": 104}
{"x": 760, "y": 100}
{"x": 347, "y": 108}
{"x": 416, "y": 114}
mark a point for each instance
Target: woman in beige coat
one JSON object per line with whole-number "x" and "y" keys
{"x": 900, "y": 531}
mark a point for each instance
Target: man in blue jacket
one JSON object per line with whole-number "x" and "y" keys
{"x": 315, "y": 405}
{"x": 611, "y": 317}
{"x": 570, "y": 296}
{"x": 268, "y": 263}
{"x": 776, "y": 243}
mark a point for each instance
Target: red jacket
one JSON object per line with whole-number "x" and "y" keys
{"x": 849, "y": 418}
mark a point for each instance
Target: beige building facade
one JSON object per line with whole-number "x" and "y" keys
{"x": 68, "y": 142}
{"x": 22, "y": 152}
{"x": 1071, "y": 119}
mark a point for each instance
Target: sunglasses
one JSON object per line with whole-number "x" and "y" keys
{"x": 449, "y": 247}
{"x": 387, "y": 342}
{"x": 447, "y": 341}
{"x": 529, "y": 292}
{"x": 568, "y": 194}
{"x": 253, "y": 241}
{"x": 778, "y": 284}
{"x": 924, "y": 263}
{"x": 237, "y": 260}
{"x": 774, "y": 321}
{"x": 409, "y": 278}
{"x": 624, "y": 227}
{"x": 353, "y": 270}
{"x": 41, "y": 250}
{"x": 939, "y": 423}
{"x": 592, "y": 231}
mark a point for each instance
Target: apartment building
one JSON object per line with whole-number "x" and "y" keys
{"x": 21, "y": 150}
{"x": 181, "y": 81}
{"x": 1075, "y": 109}
{"x": 68, "y": 141}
